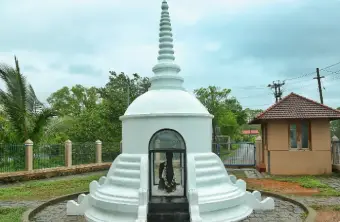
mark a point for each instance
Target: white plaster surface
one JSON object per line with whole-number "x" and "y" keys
{"x": 213, "y": 195}
{"x": 166, "y": 101}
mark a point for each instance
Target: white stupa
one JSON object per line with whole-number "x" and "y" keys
{"x": 167, "y": 118}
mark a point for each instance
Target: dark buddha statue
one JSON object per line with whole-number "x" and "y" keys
{"x": 166, "y": 174}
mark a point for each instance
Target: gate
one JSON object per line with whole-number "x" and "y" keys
{"x": 335, "y": 152}
{"x": 236, "y": 154}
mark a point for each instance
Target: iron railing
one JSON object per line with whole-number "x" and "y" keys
{"x": 83, "y": 153}
{"x": 12, "y": 157}
{"x": 110, "y": 151}
{"x": 48, "y": 156}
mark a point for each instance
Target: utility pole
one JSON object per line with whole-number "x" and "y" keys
{"x": 277, "y": 89}
{"x": 318, "y": 77}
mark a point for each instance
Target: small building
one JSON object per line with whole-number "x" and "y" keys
{"x": 250, "y": 132}
{"x": 296, "y": 138}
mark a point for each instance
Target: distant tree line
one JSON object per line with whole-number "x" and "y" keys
{"x": 86, "y": 114}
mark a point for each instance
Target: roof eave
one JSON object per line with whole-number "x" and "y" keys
{"x": 259, "y": 121}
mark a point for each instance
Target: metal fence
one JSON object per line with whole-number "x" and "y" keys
{"x": 12, "y": 157}
{"x": 83, "y": 153}
{"x": 336, "y": 152}
{"x": 110, "y": 151}
{"x": 236, "y": 154}
{"x": 48, "y": 156}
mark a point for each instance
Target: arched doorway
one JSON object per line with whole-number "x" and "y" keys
{"x": 167, "y": 164}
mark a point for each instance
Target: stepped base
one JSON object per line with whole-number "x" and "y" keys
{"x": 168, "y": 209}
{"x": 214, "y": 196}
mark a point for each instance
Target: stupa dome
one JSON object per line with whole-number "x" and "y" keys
{"x": 166, "y": 101}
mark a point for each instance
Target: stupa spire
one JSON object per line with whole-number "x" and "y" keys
{"x": 166, "y": 70}
{"x": 166, "y": 51}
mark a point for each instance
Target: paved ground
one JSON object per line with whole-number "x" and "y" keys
{"x": 333, "y": 182}
{"x": 284, "y": 212}
{"x": 247, "y": 172}
{"x": 56, "y": 213}
{"x": 318, "y": 200}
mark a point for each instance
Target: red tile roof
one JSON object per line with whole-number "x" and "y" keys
{"x": 250, "y": 132}
{"x": 295, "y": 106}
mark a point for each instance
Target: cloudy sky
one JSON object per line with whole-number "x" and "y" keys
{"x": 243, "y": 45}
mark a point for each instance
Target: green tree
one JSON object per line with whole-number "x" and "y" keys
{"x": 122, "y": 90}
{"x": 7, "y": 134}
{"x": 71, "y": 102}
{"x": 19, "y": 102}
{"x": 252, "y": 113}
{"x": 227, "y": 111}
{"x": 95, "y": 112}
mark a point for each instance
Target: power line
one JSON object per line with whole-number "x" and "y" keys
{"x": 311, "y": 73}
{"x": 257, "y": 87}
{"x": 330, "y": 66}
{"x": 299, "y": 77}
{"x": 332, "y": 72}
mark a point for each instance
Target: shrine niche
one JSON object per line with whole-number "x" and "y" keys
{"x": 167, "y": 164}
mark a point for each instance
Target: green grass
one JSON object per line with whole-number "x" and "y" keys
{"x": 310, "y": 182}
{"x": 11, "y": 214}
{"x": 44, "y": 190}
{"x": 326, "y": 207}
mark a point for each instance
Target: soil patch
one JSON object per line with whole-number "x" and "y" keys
{"x": 280, "y": 187}
{"x": 327, "y": 216}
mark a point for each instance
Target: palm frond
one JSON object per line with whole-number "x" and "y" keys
{"x": 40, "y": 121}
{"x": 58, "y": 124}
{"x": 31, "y": 99}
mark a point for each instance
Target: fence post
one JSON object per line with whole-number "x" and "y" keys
{"x": 229, "y": 143}
{"x": 335, "y": 150}
{"x": 258, "y": 150}
{"x": 98, "y": 151}
{"x": 29, "y": 155}
{"x": 68, "y": 153}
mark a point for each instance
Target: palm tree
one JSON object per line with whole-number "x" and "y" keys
{"x": 19, "y": 102}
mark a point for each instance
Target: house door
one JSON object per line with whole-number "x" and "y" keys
{"x": 167, "y": 164}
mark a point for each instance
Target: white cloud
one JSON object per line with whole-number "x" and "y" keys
{"x": 122, "y": 35}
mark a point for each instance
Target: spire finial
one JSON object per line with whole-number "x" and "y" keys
{"x": 166, "y": 70}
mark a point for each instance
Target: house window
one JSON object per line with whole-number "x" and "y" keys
{"x": 299, "y": 134}
{"x": 293, "y": 136}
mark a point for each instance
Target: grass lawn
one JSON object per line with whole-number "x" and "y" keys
{"x": 310, "y": 182}
{"x": 44, "y": 190}
{"x": 326, "y": 207}
{"x": 11, "y": 214}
